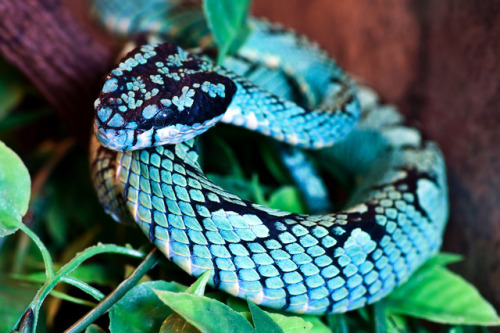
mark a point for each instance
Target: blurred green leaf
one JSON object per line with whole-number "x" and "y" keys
{"x": 380, "y": 317}
{"x": 338, "y": 323}
{"x": 287, "y": 198}
{"x": 227, "y": 22}
{"x": 94, "y": 329}
{"x": 14, "y": 190}
{"x": 65, "y": 297}
{"x": 206, "y": 314}
{"x": 89, "y": 273}
{"x": 93, "y": 273}
{"x": 274, "y": 163}
{"x": 18, "y": 119}
{"x": 235, "y": 185}
{"x": 140, "y": 310}
{"x": 11, "y": 88}
{"x": 436, "y": 294}
{"x": 262, "y": 321}
{"x": 14, "y": 297}
{"x": 396, "y": 323}
{"x": 57, "y": 224}
{"x": 258, "y": 190}
{"x": 443, "y": 259}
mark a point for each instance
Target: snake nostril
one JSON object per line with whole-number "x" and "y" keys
{"x": 164, "y": 117}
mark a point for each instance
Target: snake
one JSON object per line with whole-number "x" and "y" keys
{"x": 144, "y": 163}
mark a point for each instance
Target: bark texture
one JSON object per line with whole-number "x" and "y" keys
{"x": 438, "y": 61}
{"x": 61, "y": 56}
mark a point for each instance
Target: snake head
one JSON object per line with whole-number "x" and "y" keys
{"x": 159, "y": 94}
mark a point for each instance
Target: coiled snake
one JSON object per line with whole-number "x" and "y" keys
{"x": 160, "y": 97}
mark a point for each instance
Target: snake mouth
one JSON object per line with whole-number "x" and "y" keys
{"x": 132, "y": 139}
{"x": 108, "y": 140}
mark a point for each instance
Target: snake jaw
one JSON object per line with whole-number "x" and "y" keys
{"x": 159, "y": 94}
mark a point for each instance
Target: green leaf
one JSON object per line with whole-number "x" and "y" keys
{"x": 235, "y": 185}
{"x": 14, "y": 190}
{"x": 227, "y": 22}
{"x": 317, "y": 325}
{"x": 11, "y": 88}
{"x": 93, "y": 273}
{"x": 89, "y": 273}
{"x": 94, "y": 329}
{"x": 175, "y": 323}
{"x": 290, "y": 324}
{"x": 17, "y": 296}
{"x": 140, "y": 310}
{"x": 338, "y": 323}
{"x": 258, "y": 190}
{"x": 443, "y": 259}
{"x": 380, "y": 317}
{"x": 262, "y": 321}
{"x": 57, "y": 223}
{"x": 206, "y": 314}
{"x": 274, "y": 164}
{"x": 396, "y": 323}
{"x": 436, "y": 294}
{"x": 237, "y": 304}
{"x": 198, "y": 287}
{"x": 286, "y": 198}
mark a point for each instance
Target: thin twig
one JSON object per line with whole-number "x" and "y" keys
{"x": 148, "y": 263}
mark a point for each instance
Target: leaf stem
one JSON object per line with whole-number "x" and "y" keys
{"x": 83, "y": 287}
{"x": 47, "y": 260}
{"x": 51, "y": 282}
{"x": 149, "y": 262}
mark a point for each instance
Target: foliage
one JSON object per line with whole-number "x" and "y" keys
{"x": 227, "y": 21}
{"x": 66, "y": 223}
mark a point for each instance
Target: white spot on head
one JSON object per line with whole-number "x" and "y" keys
{"x": 110, "y": 85}
{"x": 150, "y": 111}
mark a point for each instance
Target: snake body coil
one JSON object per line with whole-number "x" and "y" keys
{"x": 160, "y": 97}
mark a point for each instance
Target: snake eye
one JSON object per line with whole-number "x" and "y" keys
{"x": 164, "y": 118}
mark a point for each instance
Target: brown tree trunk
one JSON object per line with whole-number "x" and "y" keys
{"x": 62, "y": 58}
{"x": 439, "y": 62}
